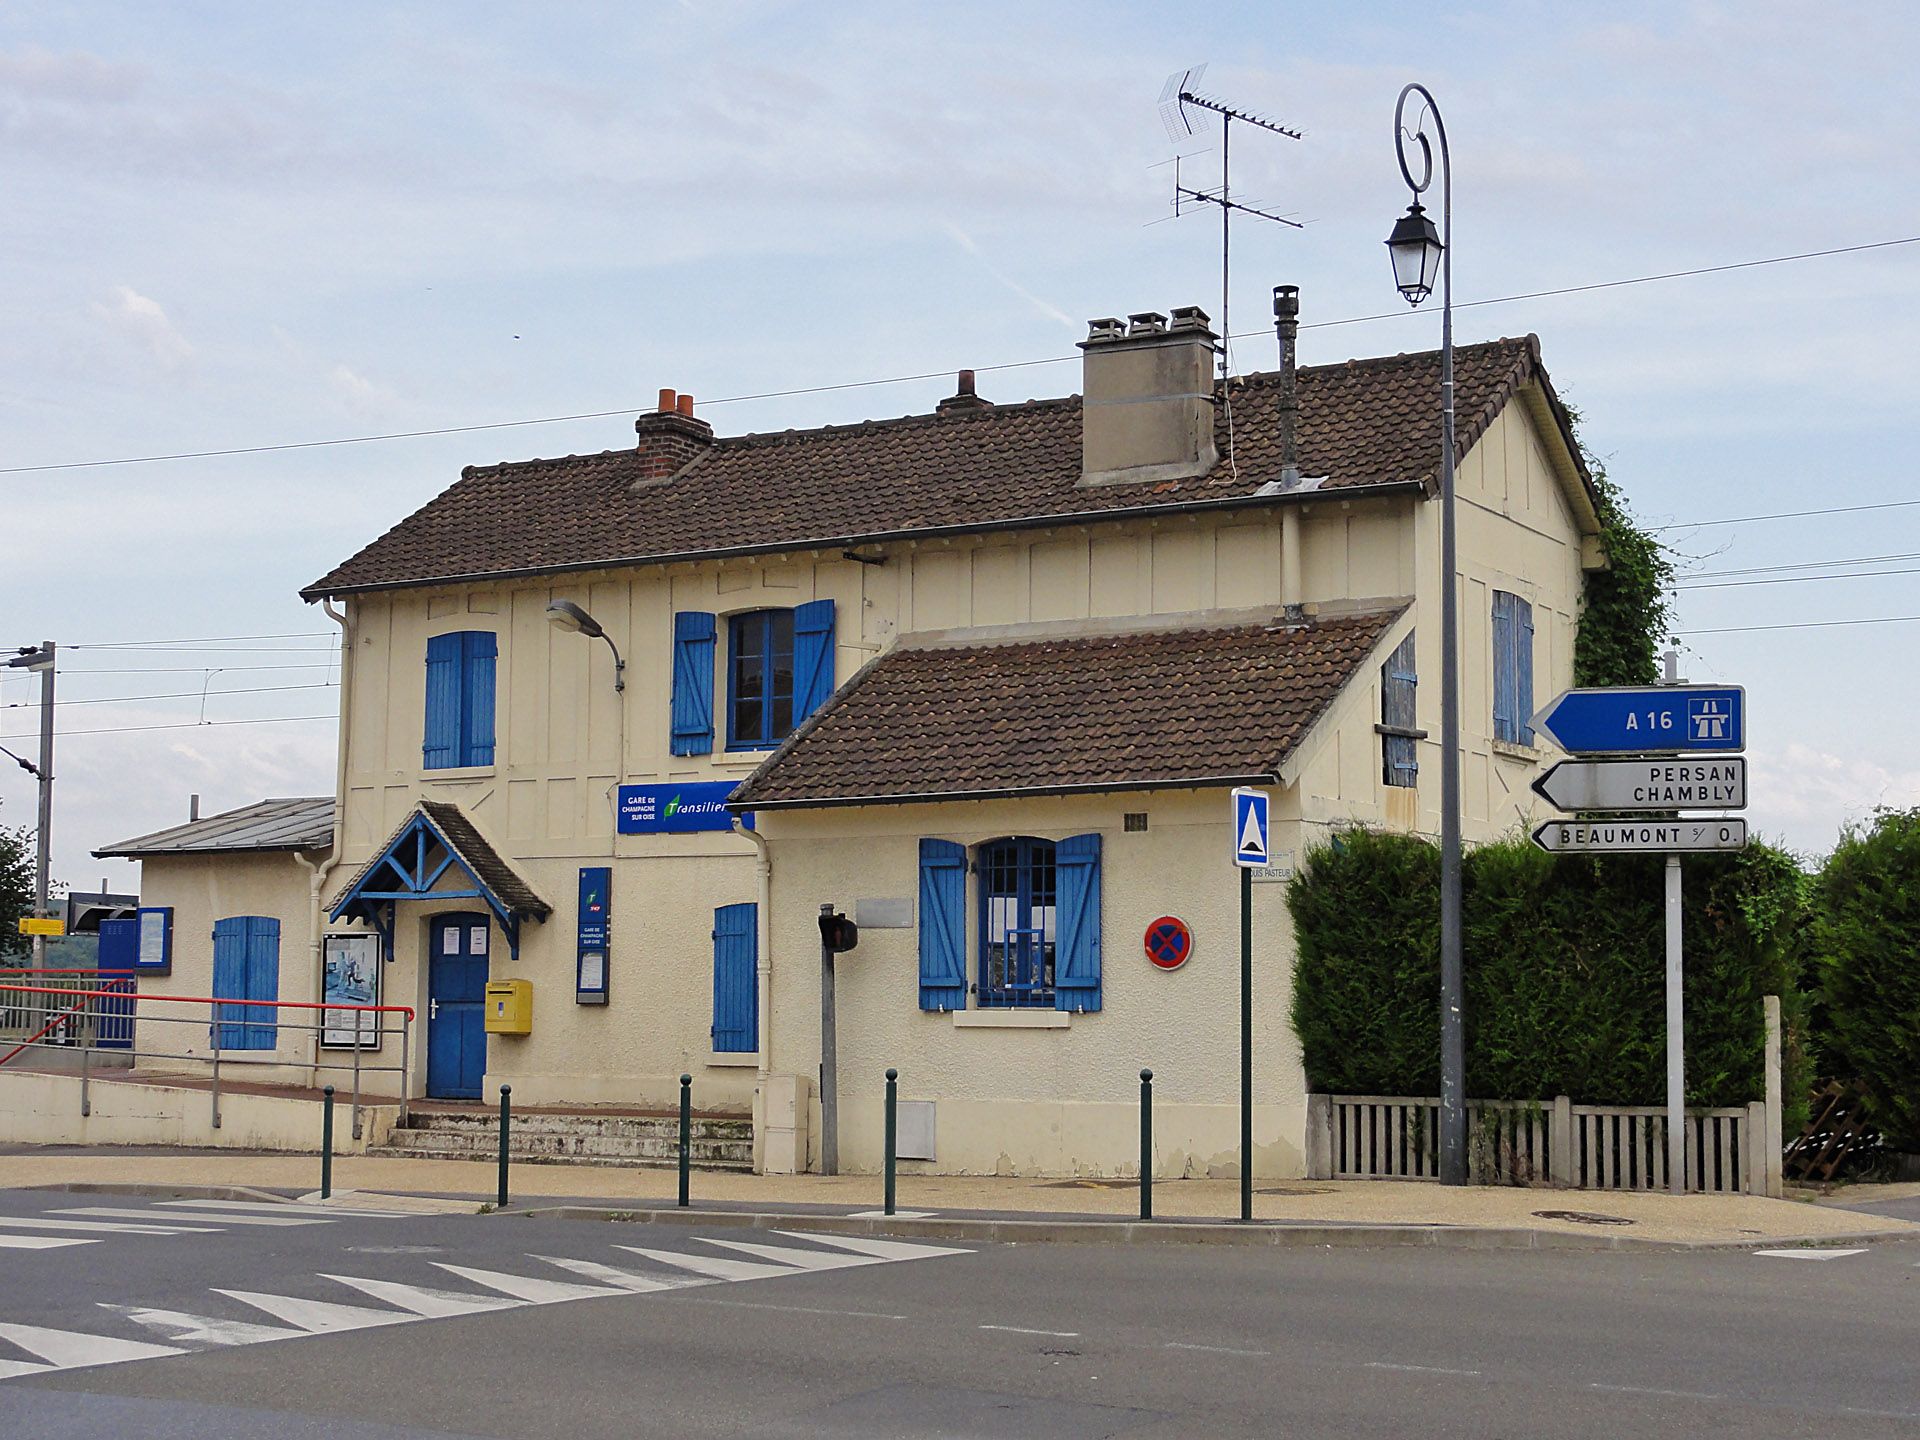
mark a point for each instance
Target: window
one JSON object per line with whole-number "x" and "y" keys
{"x": 1037, "y": 929}
{"x": 779, "y": 670}
{"x": 459, "y": 728}
{"x": 1512, "y": 669}
{"x": 246, "y": 966}
{"x": 759, "y": 679}
{"x": 1399, "y": 735}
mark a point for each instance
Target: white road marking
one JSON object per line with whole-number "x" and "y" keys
{"x": 712, "y": 1265}
{"x": 319, "y": 1212}
{"x": 430, "y": 1304}
{"x": 201, "y": 1329}
{"x": 115, "y": 1227}
{"x": 1807, "y": 1254}
{"x": 41, "y": 1242}
{"x": 626, "y": 1279}
{"x": 317, "y": 1317}
{"x": 1218, "y": 1350}
{"x": 521, "y": 1287}
{"x": 11, "y": 1368}
{"x": 897, "y": 1215}
{"x": 111, "y": 1213}
{"x": 1019, "y": 1330}
{"x": 884, "y": 1249}
{"x": 792, "y": 1309}
{"x": 799, "y": 1259}
{"x": 1649, "y": 1390}
{"x": 1416, "y": 1369}
{"x": 69, "y": 1349}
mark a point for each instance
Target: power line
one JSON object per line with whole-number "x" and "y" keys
{"x": 197, "y": 639}
{"x": 190, "y": 725}
{"x": 1802, "y": 625}
{"x": 1807, "y": 565}
{"x": 202, "y": 669}
{"x": 1782, "y": 515}
{"x": 926, "y": 375}
{"x": 1789, "y": 579}
{"x": 176, "y": 695}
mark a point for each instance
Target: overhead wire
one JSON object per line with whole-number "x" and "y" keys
{"x": 176, "y": 695}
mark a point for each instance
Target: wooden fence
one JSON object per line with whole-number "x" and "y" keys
{"x": 1520, "y": 1142}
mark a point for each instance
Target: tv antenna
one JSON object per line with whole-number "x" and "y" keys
{"x": 1185, "y": 112}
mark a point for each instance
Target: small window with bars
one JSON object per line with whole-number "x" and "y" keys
{"x": 1018, "y": 912}
{"x": 1399, "y": 734}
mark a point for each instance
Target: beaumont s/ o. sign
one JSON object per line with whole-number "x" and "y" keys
{"x": 1641, "y": 837}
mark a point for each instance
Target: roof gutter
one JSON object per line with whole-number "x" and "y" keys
{"x": 938, "y": 797}
{"x": 932, "y": 532}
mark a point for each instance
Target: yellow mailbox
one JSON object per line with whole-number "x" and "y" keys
{"x": 509, "y": 1007}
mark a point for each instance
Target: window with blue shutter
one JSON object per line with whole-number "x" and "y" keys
{"x": 246, "y": 966}
{"x": 943, "y": 925}
{"x": 1077, "y": 883}
{"x": 460, "y": 691}
{"x": 812, "y": 657}
{"x": 736, "y": 994}
{"x": 693, "y": 633}
{"x": 760, "y": 676}
{"x": 1400, "y": 744}
{"x": 1019, "y": 921}
{"x": 1512, "y": 668}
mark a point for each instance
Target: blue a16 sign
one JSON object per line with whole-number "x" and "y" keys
{"x": 1651, "y": 719}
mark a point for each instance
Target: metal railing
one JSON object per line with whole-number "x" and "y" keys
{"x": 73, "y": 1018}
{"x": 49, "y": 1015}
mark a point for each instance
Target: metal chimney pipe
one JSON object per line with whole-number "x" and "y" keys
{"x": 1286, "y": 321}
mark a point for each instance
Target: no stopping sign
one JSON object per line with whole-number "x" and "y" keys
{"x": 1169, "y": 942}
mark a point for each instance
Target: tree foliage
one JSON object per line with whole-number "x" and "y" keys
{"x": 1864, "y": 941}
{"x": 1565, "y": 971}
{"x": 1628, "y": 609}
{"x": 16, "y": 891}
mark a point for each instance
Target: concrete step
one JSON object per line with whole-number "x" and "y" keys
{"x": 573, "y": 1138}
{"x": 743, "y": 1164}
{"x": 469, "y": 1123}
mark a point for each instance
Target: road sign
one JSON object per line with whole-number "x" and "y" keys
{"x": 1250, "y": 829}
{"x": 34, "y": 925}
{"x": 1712, "y": 783}
{"x": 1169, "y": 942}
{"x": 1647, "y": 719}
{"x": 1641, "y": 837}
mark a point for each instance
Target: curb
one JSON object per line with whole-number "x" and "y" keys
{"x": 160, "y": 1191}
{"x": 1139, "y": 1232}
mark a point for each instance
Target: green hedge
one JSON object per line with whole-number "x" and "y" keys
{"x": 1565, "y": 969}
{"x": 1865, "y": 945}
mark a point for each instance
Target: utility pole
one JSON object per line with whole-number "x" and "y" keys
{"x": 41, "y": 658}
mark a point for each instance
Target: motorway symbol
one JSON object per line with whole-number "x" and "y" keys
{"x": 1641, "y": 837}
{"x": 1711, "y": 783}
{"x": 1650, "y": 719}
{"x": 1250, "y": 828}
{"x": 1169, "y": 942}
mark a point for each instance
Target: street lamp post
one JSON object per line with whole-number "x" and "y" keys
{"x": 565, "y": 615}
{"x": 1418, "y": 251}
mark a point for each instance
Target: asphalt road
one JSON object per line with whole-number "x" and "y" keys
{"x": 202, "y": 1323}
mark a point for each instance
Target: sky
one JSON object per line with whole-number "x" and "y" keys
{"x": 239, "y": 227}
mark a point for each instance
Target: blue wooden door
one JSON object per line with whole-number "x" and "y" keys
{"x": 457, "y": 1006}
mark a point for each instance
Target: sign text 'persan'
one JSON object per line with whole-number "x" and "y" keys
{"x": 1641, "y": 837}
{"x": 1710, "y": 783}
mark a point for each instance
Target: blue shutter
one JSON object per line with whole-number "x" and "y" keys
{"x": 1076, "y": 966}
{"x": 693, "y": 683}
{"x": 943, "y": 925}
{"x": 736, "y": 999}
{"x": 263, "y": 981}
{"x": 812, "y": 658}
{"x": 1505, "y": 679}
{"x": 1523, "y": 646}
{"x": 230, "y": 980}
{"x": 441, "y": 747}
{"x": 476, "y": 732}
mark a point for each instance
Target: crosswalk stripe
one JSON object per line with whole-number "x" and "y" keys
{"x": 69, "y": 1349}
{"x": 799, "y": 1259}
{"x": 884, "y": 1249}
{"x": 201, "y": 1329}
{"x": 431, "y": 1304}
{"x": 116, "y": 1227}
{"x": 41, "y": 1242}
{"x": 522, "y": 1287}
{"x": 149, "y": 1215}
{"x": 318, "y": 1317}
{"x": 625, "y": 1279}
{"x": 712, "y": 1265}
{"x": 11, "y": 1368}
{"x": 318, "y": 1212}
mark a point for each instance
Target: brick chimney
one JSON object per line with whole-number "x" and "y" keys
{"x": 670, "y": 439}
{"x": 1147, "y": 411}
{"x": 964, "y": 397}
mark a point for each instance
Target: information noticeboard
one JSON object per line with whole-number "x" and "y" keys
{"x": 352, "y": 977}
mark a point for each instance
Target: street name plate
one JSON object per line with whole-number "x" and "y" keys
{"x": 1717, "y": 782}
{"x": 1641, "y": 837}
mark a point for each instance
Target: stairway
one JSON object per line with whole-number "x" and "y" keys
{"x": 570, "y": 1137}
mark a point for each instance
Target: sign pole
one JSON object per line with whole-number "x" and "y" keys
{"x": 1246, "y": 1043}
{"x": 829, "y": 1064}
{"x": 1676, "y": 1040}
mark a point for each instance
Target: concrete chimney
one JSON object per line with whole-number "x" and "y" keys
{"x": 1286, "y": 321}
{"x": 964, "y": 397}
{"x": 1147, "y": 411}
{"x": 670, "y": 439}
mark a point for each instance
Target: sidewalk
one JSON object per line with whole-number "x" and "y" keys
{"x": 1710, "y": 1219}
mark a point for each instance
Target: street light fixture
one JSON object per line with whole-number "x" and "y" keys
{"x": 565, "y": 615}
{"x": 1418, "y": 250}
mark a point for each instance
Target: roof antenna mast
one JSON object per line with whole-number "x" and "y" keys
{"x": 1184, "y": 111}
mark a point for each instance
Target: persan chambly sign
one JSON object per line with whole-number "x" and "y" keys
{"x": 1651, "y": 719}
{"x": 1715, "y": 782}
{"x": 1641, "y": 837}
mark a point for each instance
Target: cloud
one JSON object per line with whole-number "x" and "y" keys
{"x": 359, "y": 392}
{"x": 75, "y": 77}
{"x": 1051, "y": 311}
{"x": 142, "y": 321}
{"x": 1811, "y": 794}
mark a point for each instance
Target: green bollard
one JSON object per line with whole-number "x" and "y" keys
{"x": 686, "y": 1140}
{"x": 326, "y": 1143}
{"x": 893, "y": 1129}
{"x": 506, "y": 1121}
{"x": 1146, "y": 1144}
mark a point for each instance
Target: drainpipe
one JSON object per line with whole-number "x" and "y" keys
{"x": 319, "y": 870}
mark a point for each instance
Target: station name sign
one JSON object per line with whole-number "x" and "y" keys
{"x": 677, "y": 809}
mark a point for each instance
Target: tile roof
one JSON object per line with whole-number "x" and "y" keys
{"x": 1365, "y": 422}
{"x": 514, "y": 893}
{"x": 1088, "y": 713}
{"x": 303, "y": 823}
